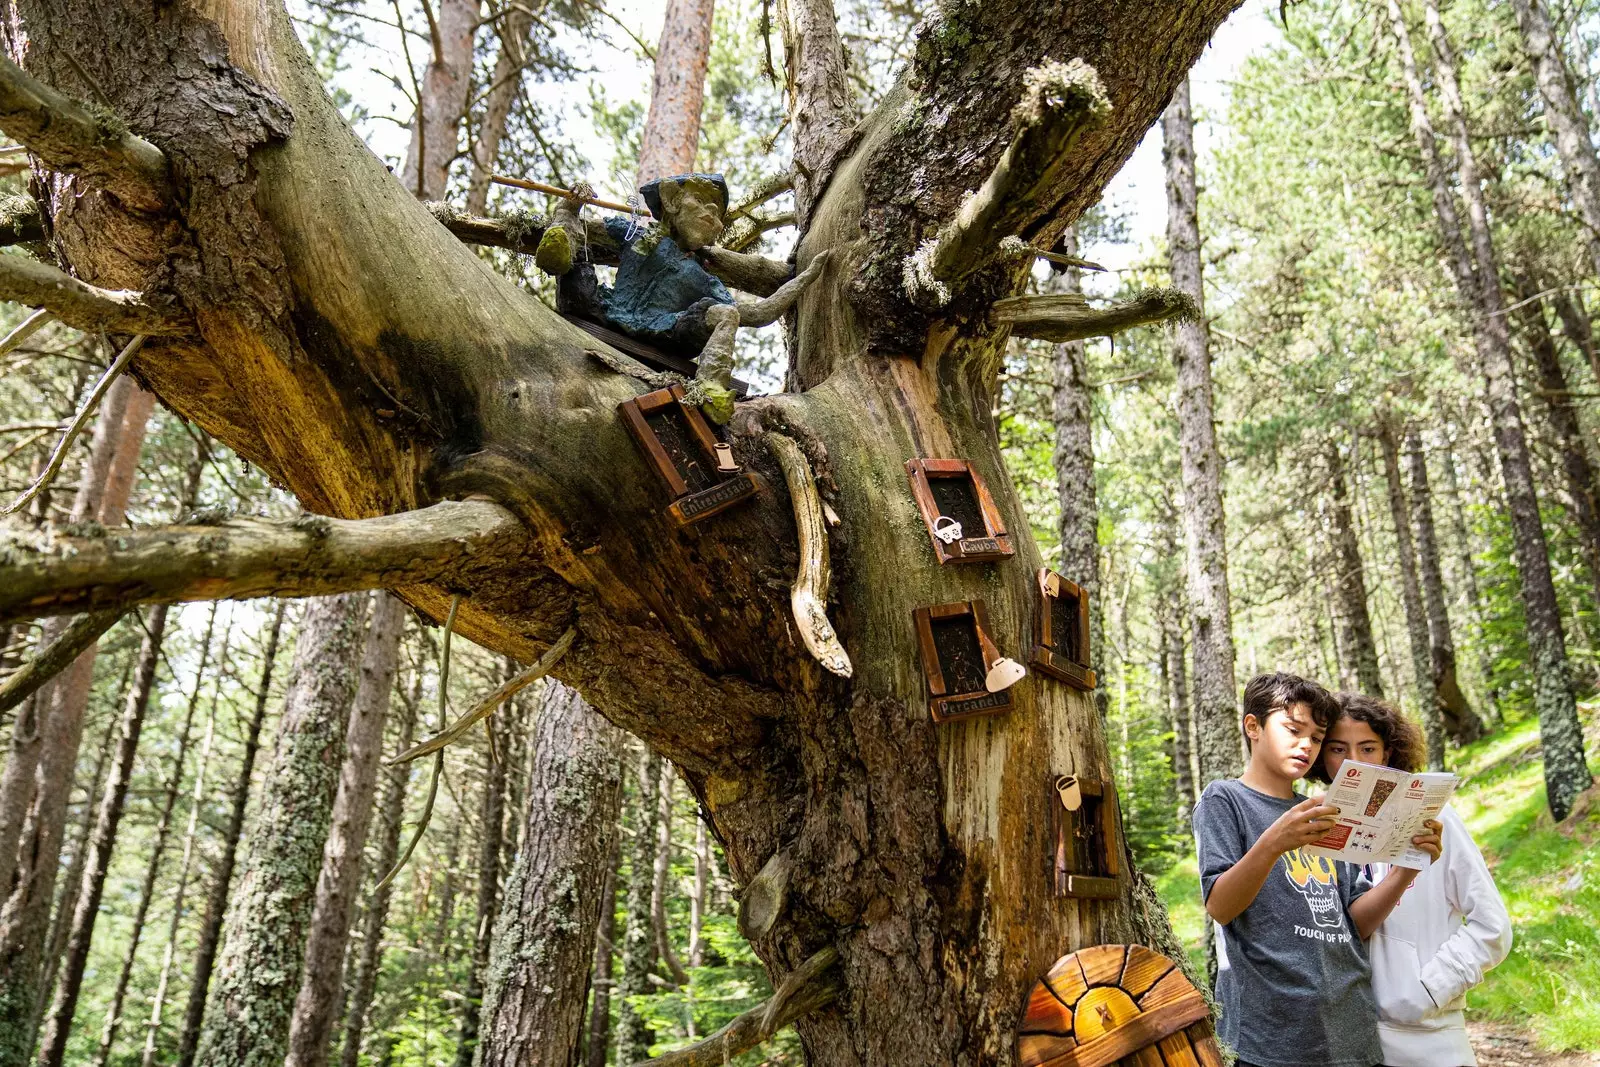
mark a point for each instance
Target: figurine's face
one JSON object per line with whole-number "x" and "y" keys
{"x": 694, "y": 215}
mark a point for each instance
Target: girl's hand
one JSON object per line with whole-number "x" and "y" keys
{"x": 1431, "y": 839}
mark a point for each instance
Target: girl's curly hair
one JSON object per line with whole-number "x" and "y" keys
{"x": 1400, "y": 736}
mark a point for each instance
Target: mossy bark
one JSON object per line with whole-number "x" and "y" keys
{"x": 258, "y": 972}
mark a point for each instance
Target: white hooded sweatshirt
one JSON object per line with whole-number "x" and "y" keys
{"x": 1449, "y": 927}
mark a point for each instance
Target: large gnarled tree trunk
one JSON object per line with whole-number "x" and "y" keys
{"x": 306, "y": 310}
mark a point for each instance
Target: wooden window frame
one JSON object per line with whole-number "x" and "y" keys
{"x": 1087, "y": 885}
{"x": 686, "y": 507}
{"x": 1075, "y": 672}
{"x": 994, "y": 543}
{"x": 945, "y": 705}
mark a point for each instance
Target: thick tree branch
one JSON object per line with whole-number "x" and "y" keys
{"x": 51, "y": 660}
{"x": 803, "y": 992}
{"x": 20, "y": 222}
{"x": 808, "y": 597}
{"x": 821, "y": 111}
{"x": 748, "y": 230}
{"x": 87, "y": 307}
{"x": 90, "y": 142}
{"x": 1060, "y": 102}
{"x": 49, "y": 572}
{"x": 1065, "y": 316}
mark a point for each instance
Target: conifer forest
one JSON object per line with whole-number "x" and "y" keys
{"x": 592, "y": 532}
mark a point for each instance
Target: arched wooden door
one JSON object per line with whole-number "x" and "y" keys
{"x": 1117, "y": 1004}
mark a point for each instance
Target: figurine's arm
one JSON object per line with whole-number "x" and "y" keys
{"x": 556, "y": 250}
{"x": 767, "y": 310}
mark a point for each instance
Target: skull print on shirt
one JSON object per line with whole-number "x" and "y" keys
{"x": 1318, "y": 881}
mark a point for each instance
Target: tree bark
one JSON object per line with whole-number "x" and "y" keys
{"x": 1072, "y": 412}
{"x": 39, "y": 775}
{"x": 1569, "y": 128}
{"x": 1469, "y": 578}
{"x": 1565, "y": 770}
{"x": 316, "y": 1008}
{"x": 446, "y": 85}
{"x": 491, "y": 819}
{"x": 599, "y": 1038}
{"x": 345, "y": 345}
{"x": 544, "y": 942}
{"x": 186, "y": 866}
{"x": 821, "y": 110}
{"x": 1459, "y": 718}
{"x": 513, "y": 28}
{"x": 1178, "y": 712}
{"x": 1217, "y": 738}
{"x": 370, "y": 959}
{"x": 108, "y": 1034}
{"x": 698, "y": 899}
{"x": 248, "y": 1021}
{"x": 672, "y": 126}
{"x": 1582, "y": 499}
{"x": 1575, "y": 324}
{"x": 1350, "y": 585}
{"x": 634, "y": 1034}
{"x": 222, "y": 875}
{"x": 658, "y": 882}
{"x": 1411, "y": 598}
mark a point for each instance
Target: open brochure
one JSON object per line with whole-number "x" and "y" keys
{"x": 1380, "y": 811}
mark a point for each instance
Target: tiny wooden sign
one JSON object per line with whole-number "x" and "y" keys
{"x": 1117, "y": 1004}
{"x": 1087, "y": 837}
{"x": 956, "y": 655}
{"x": 678, "y": 444}
{"x": 1061, "y": 631}
{"x": 951, "y": 491}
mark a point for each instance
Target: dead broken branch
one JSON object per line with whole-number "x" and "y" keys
{"x": 87, "y": 307}
{"x": 1066, "y": 317}
{"x": 80, "y": 139}
{"x": 53, "y": 572}
{"x": 52, "y": 659}
{"x": 801, "y": 993}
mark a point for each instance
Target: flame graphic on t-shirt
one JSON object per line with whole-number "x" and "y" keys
{"x": 1317, "y": 881}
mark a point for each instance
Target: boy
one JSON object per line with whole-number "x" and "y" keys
{"x": 1293, "y": 982}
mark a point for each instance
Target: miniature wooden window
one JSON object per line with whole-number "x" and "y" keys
{"x": 963, "y": 522}
{"x": 956, "y": 656}
{"x": 697, "y": 469}
{"x": 1087, "y": 839}
{"x": 1061, "y": 631}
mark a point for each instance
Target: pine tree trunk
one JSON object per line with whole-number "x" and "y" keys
{"x": 544, "y": 942}
{"x": 513, "y": 28}
{"x": 1411, "y": 598}
{"x": 1217, "y": 738}
{"x": 658, "y": 881}
{"x": 1469, "y": 578}
{"x": 1460, "y": 721}
{"x": 247, "y": 1021}
{"x": 491, "y": 819}
{"x": 222, "y": 876}
{"x": 1072, "y": 411}
{"x": 599, "y": 1038}
{"x": 1565, "y": 770}
{"x": 1575, "y": 324}
{"x": 697, "y": 902}
{"x": 671, "y": 136}
{"x": 186, "y": 866}
{"x": 1583, "y": 501}
{"x": 113, "y": 1023}
{"x": 38, "y": 777}
{"x": 1179, "y": 714}
{"x": 634, "y": 1035}
{"x": 446, "y": 86}
{"x": 316, "y": 1007}
{"x": 1350, "y": 584}
{"x": 391, "y": 814}
{"x": 1568, "y": 126}
{"x": 108, "y": 817}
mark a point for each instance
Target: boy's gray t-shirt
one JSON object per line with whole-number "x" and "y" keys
{"x": 1293, "y": 981}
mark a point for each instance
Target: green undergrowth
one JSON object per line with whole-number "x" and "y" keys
{"x": 1549, "y": 876}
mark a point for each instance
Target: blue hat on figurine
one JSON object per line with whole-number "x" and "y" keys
{"x": 651, "y": 190}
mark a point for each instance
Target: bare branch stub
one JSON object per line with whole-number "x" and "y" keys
{"x": 1066, "y": 317}
{"x": 77, "y": 139}
{"x": 84, "y": 306}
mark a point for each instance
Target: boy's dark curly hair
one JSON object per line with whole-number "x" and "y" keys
{"x": 1267, "y": 693}
{"x": 1400, "y": 736}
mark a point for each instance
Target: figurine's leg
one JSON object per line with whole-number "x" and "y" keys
{"x": 715, "y": 372}
{"x": 767, "y": 310}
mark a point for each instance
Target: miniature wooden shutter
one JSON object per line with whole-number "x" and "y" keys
{"x": 1116, "y": 1004}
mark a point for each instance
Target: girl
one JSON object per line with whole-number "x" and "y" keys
{"x": 1448, "y": 928}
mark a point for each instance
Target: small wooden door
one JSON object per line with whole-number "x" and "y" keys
{"x": 1117, "y": 1004}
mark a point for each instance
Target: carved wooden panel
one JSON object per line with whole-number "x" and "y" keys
{"x": 949, "y": 493}
{"x": 680, "y": 447}
{"x": 1116, "y": 1004}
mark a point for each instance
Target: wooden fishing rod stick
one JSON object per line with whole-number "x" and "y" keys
{"x": 556, "y": 190}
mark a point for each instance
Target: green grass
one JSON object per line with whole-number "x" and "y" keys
{"x": 1549, "y": 877}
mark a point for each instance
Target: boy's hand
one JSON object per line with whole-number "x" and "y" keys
{"x": 1301, "y": 825}
{"x": 1431, "y": 840}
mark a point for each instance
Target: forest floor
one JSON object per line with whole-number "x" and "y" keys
{"x": 1542, "y": 1005}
